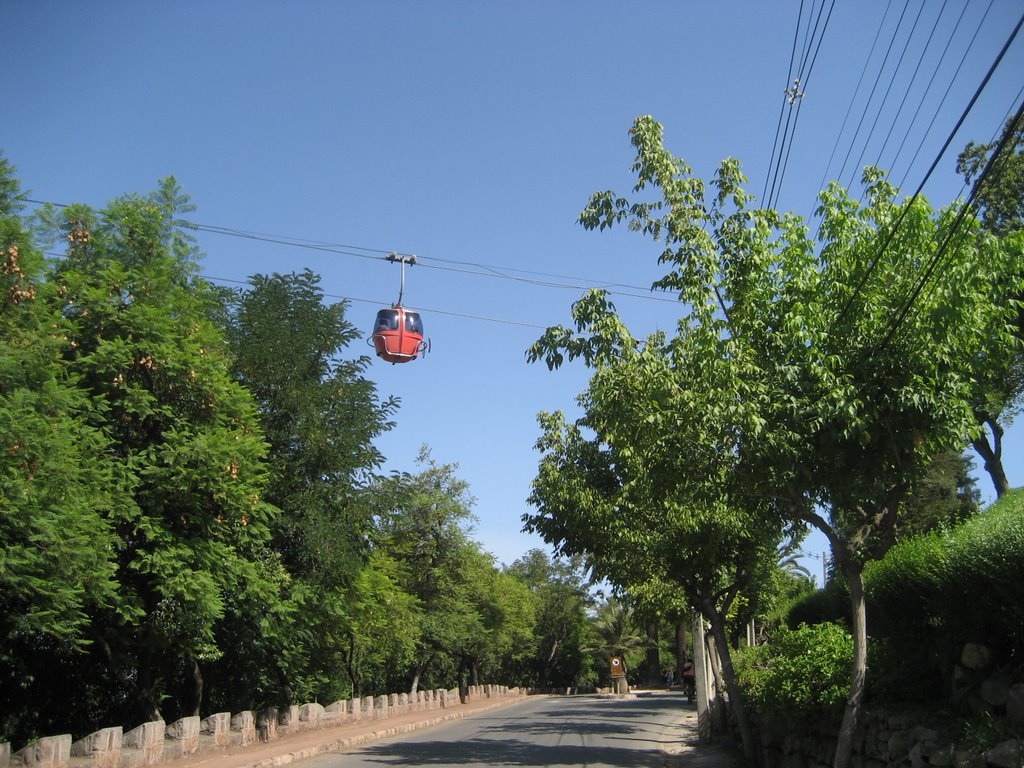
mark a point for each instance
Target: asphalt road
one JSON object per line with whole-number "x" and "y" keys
{"x": 643, "y": 732}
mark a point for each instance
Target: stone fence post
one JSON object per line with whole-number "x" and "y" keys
{"x": 102, "y": 749}
{"x": 48, "y": 752}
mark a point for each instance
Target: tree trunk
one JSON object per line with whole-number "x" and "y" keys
{"x": 736, "y": 700}
{"x": 855, "y": 699}
{"x": 351, "y": 667}
{"x": 542, "y": 680}
{"x": 416, "y": 672}
{"x": 197, "y": 688}
{"x": 654, "y": 676}
{"x": 992, "y": 455}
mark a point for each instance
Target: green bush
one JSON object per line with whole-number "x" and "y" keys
{"x": 798, "y": 673}
{"x": 960, "y": 585}
{"x": 904, "y": 590}
{"x": 829, "y": 604}
{"x": 984, "y": 587}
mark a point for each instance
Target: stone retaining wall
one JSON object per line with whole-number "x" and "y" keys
{"x": 157, "y": 742}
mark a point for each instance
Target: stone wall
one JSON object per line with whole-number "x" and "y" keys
{"x": 158, "y": 742}
{"x": 884, "y": 739}
{"x": 887, "y": 738}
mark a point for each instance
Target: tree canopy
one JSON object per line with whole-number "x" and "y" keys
{"x": 807, "y": 382}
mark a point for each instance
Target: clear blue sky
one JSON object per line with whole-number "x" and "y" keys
{"x": 474, "y": 132}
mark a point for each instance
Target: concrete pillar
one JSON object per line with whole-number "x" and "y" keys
{"x": 181, "y": 738}
{"x": 217, "y": 728}
{"x": 309, "y": 716}
{"x": 101, "y": 749}
{"x": 143, "y": 745}
{"x": 243, "y": 729}
{"x": 288, "y": 721}
{"x": 266, "y": 724}
{"x": 48, "y": 752}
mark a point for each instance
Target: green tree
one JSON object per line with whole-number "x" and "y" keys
{"x": 826, "y": 376}
{"x": 616, "y": 635}
{"x": 562, "y": 630}
{"x": 383, "y": 627}
{"x": 320, "y": 416}
{"x": 57, "y": 488}
{"x": 999, "y": 193}
{"x": 184, "y": 438}
{"x": 423, "y": 523}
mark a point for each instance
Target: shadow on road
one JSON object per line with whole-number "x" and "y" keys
{"x": 509, "y": 752}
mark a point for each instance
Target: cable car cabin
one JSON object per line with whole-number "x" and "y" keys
{"x": 398, "y": 335}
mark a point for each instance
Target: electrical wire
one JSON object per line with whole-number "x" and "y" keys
{"x": 432, "y": 310}
{"x": 782, "y": 108}
{"x": 928, "y": 88}
{"x": 907, "y": 205}
{"x": 949, "y": 87}
{"x": 799, "y": 87}
{"x": 871, "y": 95}
{"x": 910, "y": 85}
{"x": 954, "y": 229}
{"x": 888, "y": 90}
{"x": 853, "y": 99}
{"x": 483, "y": 270}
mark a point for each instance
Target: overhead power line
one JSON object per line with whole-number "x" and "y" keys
{"x": 377, "y": 302}
{"x": 907, "y": 205}
{"x": 476, "y": 269}
{"x": 968, "y": 205}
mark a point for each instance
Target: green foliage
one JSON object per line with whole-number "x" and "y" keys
{"x": 562, "y": 629}
{"x": 183, "y": 440}
{"x": 799, "y": 673}
{"x": 962, "y": 584}
{"x": 828, "y": 604}
{"x": 984, "y": 591}
{"x": 904, "y": 588}
{"x": 1001, "y": 195}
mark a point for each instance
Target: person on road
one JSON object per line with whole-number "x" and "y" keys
{"x": 689, "y": 682}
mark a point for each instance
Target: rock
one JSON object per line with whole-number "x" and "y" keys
{"x": 1008, "y": 754}
{"x": 976, "y": 656}
{"x": 995, "y": 688}
{"x": 1015, "y": 704}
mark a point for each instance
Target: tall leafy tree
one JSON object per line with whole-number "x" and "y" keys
{"x": 562, "y": 630}
{"x": 57, "y": 487}
{"x": 184, "y": 438}
{"x": 423, "y": 523}
{"x": 999, "y": 193}
{"x": 320, "y": 416}
{"x": 826, "y": 375}
{"x": 383, "y": 628}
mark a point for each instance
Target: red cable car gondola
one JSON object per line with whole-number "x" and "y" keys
{"x": 398, "y": 332}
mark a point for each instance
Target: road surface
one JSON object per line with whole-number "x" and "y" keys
{"x": 651, "y": 731}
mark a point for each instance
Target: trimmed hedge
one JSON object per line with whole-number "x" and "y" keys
{"x": 965, "y": 584}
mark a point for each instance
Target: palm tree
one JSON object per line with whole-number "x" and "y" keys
{"x": 616, "y": 636}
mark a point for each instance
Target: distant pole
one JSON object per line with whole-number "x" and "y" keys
{"x": 824, "y": 568}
